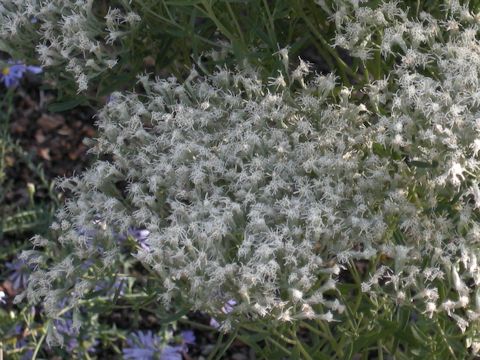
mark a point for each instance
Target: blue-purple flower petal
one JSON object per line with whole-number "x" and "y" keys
{"x": 11, "y": 74}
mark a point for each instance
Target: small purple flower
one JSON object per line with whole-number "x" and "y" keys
{"x": 65, "y": 328}
{"x": 147, "y": 346}
{"x": 19, "y": 273}
{"x": 18, "y": 331}
{"x": 188, "y": 337}
{"x": 142, "y": 346}
{"x": 21, "y": 342}
{"x": 171, "y": 353}
{"x": 87, "y": 264}
{"x": 12, "y": 74}
{"x": 214, "y": 323}
{"x": 174, "y": 352}
{"x": 227, "y": 308}
{"x": 28, "y": 355}
{"x": 139, "y": 235}
{"x": 89, "y": 234}
{"x": 71, "y": 335}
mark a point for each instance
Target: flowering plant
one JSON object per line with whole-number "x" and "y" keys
{"x": 343, "y": 205}
{"x": 100, "y": 47}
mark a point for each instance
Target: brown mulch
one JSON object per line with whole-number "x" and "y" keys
{"x": 51, "y": 142}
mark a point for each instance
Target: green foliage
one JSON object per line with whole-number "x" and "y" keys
{"x": 406, "y": 83}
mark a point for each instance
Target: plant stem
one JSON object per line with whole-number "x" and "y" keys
{"x": 343, "y": 68}
{"x": 444, "y": 337}
{"x": 301, "y": 347}
{"x": 380, "y": 350}
{"x": 40, "y": 342}
{"x": 237, "y": 25}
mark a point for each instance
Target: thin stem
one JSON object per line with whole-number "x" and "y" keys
{"x": 284, "y": 338}
{"x": 331, "y": 338}
{"x": 195, "y": 324}
{"x": 343, "y": 68}
{"x": 227, "y": 345}
{"x": 271, "y": 27}
{"x": 313, "y": 329}
{"x": 444, "y": 338}
{"x": 365, "y": 72}
{"x": 237, "y": 25}
{"x": 254, "y": 329}
{"x": 40, "y": 342}
{"x": 380, "y": 350}
{"x": 280, "y": 346}
{"x": 301, "y": 347}
{"x": 208, "y": 11}
{"x": 173, "y": 23}
{"x": 214, "y": 355}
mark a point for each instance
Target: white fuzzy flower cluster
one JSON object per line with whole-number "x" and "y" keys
{"x": 264, "y": 194}
{"x": 66, "y": 34}
{"x": 428, "y": 118}
{"x": 236, "y": 186}
{"x": 393, "y": 30}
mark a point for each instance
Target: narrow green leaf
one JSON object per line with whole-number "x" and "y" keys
{"x": 67, "y": 104}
